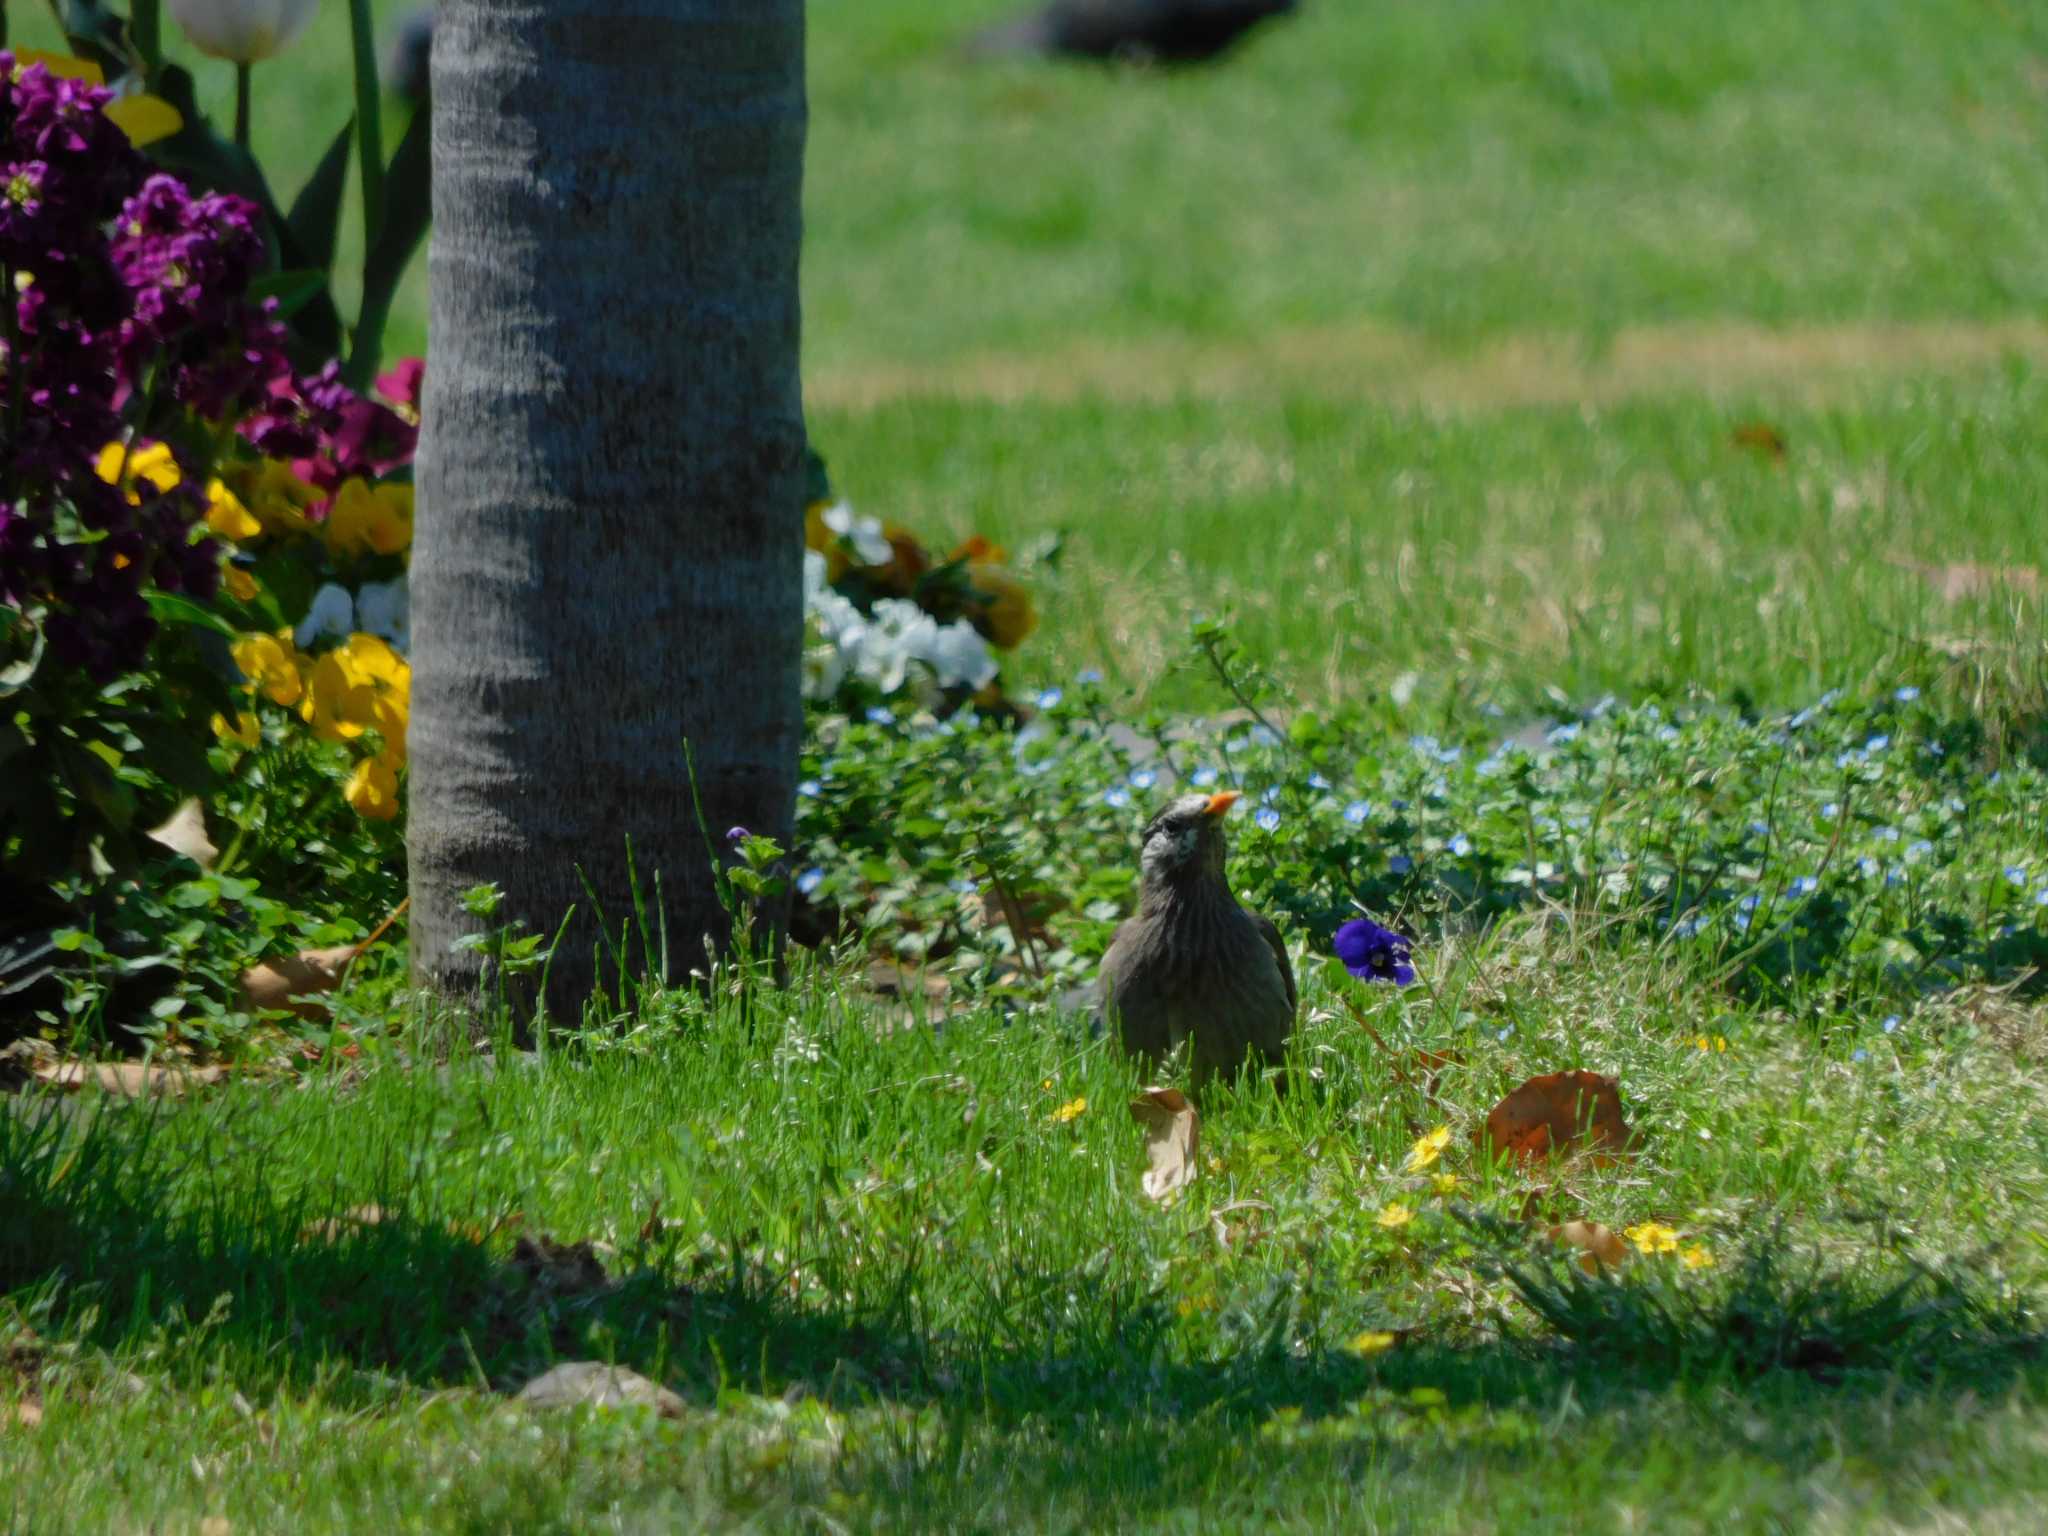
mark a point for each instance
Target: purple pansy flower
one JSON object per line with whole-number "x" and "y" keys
{"x": 1374, "y": 953}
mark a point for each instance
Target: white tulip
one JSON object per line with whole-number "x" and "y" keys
{"x": 243, "y": 30}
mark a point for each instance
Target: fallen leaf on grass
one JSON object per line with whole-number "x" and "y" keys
{"x": 593, "y": 1384}
{"x": 1552, "y": 1113}
{"x": 566, "y": 1269}
{"x": 334, "y": 1228}
{"x": 128, "y": 1079}
{"x": 1173, "y": 1132}
{"x": 184, "y": 831}
{"x": 1760, "y": 438}
{"x": 28, "y": 1413}
{"x": 1965, "y": 579}
{"x": 1598, "y": 1246}
{"x": 296, "y": 982}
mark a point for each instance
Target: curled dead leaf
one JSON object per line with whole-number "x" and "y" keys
{"x": 1960, "y": 580}
{"x": 1598, "y": 1246}
{"x": 125, "y": 1079}
{"x": 1759, "y": 438}
{"x": 564, "y": 1269}
{"x": 333, "y": 1228}
{"x": 296, "y": 982}
{"x": 1173, "y": 1133}
{"x": 593, "y": 1384}
{"x": 184, "y": 831}
{"x": 1557, "y": 1112}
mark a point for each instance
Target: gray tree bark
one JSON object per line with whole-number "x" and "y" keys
{"x": 610, "y": 473}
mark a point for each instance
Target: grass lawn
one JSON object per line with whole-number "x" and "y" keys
{"x": 1433, "y": 345}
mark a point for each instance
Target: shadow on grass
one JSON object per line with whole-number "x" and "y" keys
{"x": 271, "y": 1292}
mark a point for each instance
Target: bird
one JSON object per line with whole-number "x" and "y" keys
{"x": 1192, "y": 964}
{"x": 1171, "y": 31}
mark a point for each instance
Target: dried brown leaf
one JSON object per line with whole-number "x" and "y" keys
{"x": 1173, "y": 1133}
{"x": 1955, "y": 582}
{"x": 184, "y": 831}
{"x": 28, "y": 1413}
{"x": 128, "y": 1079}
{"x": 1556, "y": 1112}
{"x": 565, "y": 1269}
{"x": 1598, "y": 1246}
{"x": 333, "y": 1228}
{"x": 593, "y": 1384}
{"x": 1760, "y": 438}
{"x": 297, "y": 982}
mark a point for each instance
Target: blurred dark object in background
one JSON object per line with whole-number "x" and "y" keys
{"x": 405, "y": 69}
{"x": 1171, "y": 31}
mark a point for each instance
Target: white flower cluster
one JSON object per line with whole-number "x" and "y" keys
{"x": 880, "y": 647}
{"x": 380, "y": 608}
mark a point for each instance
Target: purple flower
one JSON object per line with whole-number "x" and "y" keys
{"x": 1267, "y": 817}
{"x": 1374, "y": 953}
{"x": 737, "y": 835}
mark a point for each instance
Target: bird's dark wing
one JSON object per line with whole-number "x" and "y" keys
{"x": 1279, "y": 947}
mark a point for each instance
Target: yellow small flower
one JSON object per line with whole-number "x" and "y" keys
{"x": 1428, "y": 1149}
{"x": 278, "y": 499}
{"x": 1395, "y": 1216}
{"x": 366, "y": 519}
{"x": 337, "y": 705}
{"x": 247, "y": 731}
{"x": 1711, "y": 1042}
{"x": 1653, "y": 1237}
{"x": 269, "y": 666}
{"x": 227, "y": 516}
{"x": 144, "y": 118}
{"x": 131, "y": 464}
{"x": 373, "y": 790}
{"x": 1696, "y": 1256}
{"x": 241, "y": 586}
{"x": 1445, "y": 1183}
{"x": 1373, "y": 1341}
{"x": 1073, "y": 1109}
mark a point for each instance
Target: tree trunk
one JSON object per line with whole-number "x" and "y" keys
{"x": 610, "y": 474}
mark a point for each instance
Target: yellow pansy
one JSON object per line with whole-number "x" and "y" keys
{"x": 361, "y": 685}
{"x": 128, "y": 465}
{"x": 1428, "y": 1148}
{"x": 366, "y": 519}
{"x": 1374, "y": 1341}
{"x": 240, "y": 585}
{"x": 1394, "y": 1216}
{"x": 1008, "y": 615}
{"x": 337, "y": 706}
{"x": 269, "y": 666}
{"x": 1653, "y": 1237}
{"x": 1073, "y": 1109}
{"x": 278, "y": 499}
{"x": 246, "y": 731}
{"x": 372, "y": 790}
{"x": 144, "y": 118}
{"x": 226, "y": 515}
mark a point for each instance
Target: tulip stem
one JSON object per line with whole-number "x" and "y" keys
{"x": 242, "y": 106}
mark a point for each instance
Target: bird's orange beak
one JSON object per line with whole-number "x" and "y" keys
{"x": 1219, "y": 803}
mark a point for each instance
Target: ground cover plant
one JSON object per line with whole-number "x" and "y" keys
{"x": 1575, "y": 476}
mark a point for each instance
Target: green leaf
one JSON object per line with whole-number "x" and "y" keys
{"x": 175, "y": 756}
{"x": 293, "y": 290}
{"x": 176, "y": 608}
{"x": 408, "y": 209}
{"x": 316, "y": 211}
